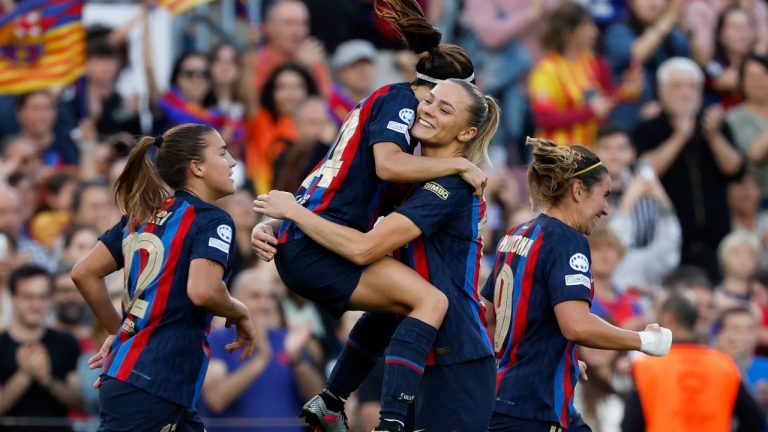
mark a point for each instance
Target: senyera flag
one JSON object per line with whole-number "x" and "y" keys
{"x": 42, "y": 44}
{"x": 180, "y": 6}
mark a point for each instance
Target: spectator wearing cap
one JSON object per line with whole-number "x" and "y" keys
{"x": 353, "y": 68}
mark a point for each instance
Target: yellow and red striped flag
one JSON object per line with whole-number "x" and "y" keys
{"x": 177, "y": 7}
{"x": 42, "y": 43}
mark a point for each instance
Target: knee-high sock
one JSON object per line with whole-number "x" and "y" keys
{"x": 404, "y": 366}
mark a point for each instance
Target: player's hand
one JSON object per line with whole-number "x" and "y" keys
{"x": 263, "y": 241}
{"x": 97, "y": 361}
{"x": 583, "y": 371}
{"x": 655, "y": 340}
{"x": 473, "y": 175}
{"x": 246, "y": 333}
{"x": 275, "y": 204}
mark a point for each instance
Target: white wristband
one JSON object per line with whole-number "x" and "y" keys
{"x": 656, "y": 344}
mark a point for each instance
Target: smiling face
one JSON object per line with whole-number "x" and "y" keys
{"x": 592, "y": 204}
{"x": 442, "y": 117}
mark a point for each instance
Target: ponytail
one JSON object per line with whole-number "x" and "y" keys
{"x": 408, "y": 19}
{"x": 437, "y": 61}
{"x": 478, "y": 148}
{"x": 139, "y": 191}
{"x": 555, "y": 167}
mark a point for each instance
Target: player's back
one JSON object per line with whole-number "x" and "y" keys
{"x": 344, "y": 187}
{"x": 162, "y": 344}
{"x": 539, "y": 264}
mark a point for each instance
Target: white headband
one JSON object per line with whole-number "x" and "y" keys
{"x": 428, "y": 78}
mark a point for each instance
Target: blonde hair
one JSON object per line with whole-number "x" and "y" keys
{"x": 735, "y": 239}
{"x": 484, "y": 114}
{"x": 555, "y": 167}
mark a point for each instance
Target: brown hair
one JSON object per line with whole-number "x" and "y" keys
{"x": 437, "y": 60}
{"x": 484, "y": 113}
{"x": 139, "y": 190}
{"x": 562, "y": 21}
{"x": 554, "y": 168}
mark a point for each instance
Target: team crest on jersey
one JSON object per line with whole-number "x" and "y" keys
{"x": 225, "y": 232}
{"x": 407, "y": 115}
{"x": 438, "y": 190}
{"x": 579, "y": 262}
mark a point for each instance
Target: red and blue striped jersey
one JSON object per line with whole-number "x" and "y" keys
{"x": 162, "y": 345}
{"x": 448, "y": 255}
{"x": 539, "y": 264}
{"x": 344, "y": 188}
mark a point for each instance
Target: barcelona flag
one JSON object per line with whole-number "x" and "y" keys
{"x": 180, "y": 6}
{"x": 42, "y": 43}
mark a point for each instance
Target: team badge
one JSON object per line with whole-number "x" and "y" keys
{"x": 225, "y": 232}
{"x": 579, "y": 262}
{"x": 407, "y": 116}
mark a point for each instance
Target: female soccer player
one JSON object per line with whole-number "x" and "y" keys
{"x": 177, "y": 255}
{"x": 441, "y": 223}
{"x": 541, "y": 290}
{"x": 373, "y": 147}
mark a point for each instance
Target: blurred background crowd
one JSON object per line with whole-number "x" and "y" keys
{"x": 671, "y": 94}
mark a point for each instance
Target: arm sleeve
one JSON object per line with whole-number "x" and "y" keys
{"x": 569, "y": 275}
{"x": 391, "y": 118}
{"x": 436, "y": 202}
{"x": 633, "y": 420}
{"x": 113, "y": 240}
{"x": 751, "y": 416}
{"x": 214, "y": 240}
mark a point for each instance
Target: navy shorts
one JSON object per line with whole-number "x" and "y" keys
{"x": 318, "y": 274}
{"x": 504, "y": 423}
{"x": 457, "y": 397}
{"x": 124, "y": 407}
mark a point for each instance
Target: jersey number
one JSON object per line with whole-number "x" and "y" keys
{"x": 502, "y": 303}
{"x": 155, "y": 250}
{"x": 331, "y": 167}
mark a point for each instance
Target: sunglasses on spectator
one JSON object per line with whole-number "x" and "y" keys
{"x": 195, "y": 73}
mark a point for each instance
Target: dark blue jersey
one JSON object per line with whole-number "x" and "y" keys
{"x": 162, "y": 345}
{"x": 344, "y": 188}
{"x": 448, "y": 255}
{"x": 538, "y": 265}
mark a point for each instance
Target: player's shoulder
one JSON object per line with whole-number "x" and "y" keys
{"x": 206, "y": 213}
{"x": 558, "y": 231}
{"x": 452, "y": 186}
{"x": 400, "y": 92}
